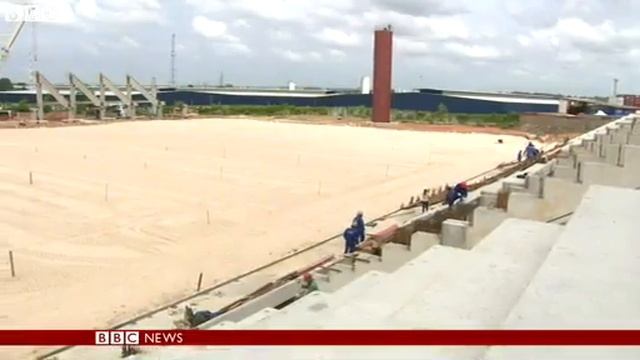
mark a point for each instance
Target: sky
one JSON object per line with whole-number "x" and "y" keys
{"x": 573, "y": 47}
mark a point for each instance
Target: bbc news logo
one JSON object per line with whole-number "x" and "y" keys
{"x": 146, "y": 337}
{"x": 117, "y": 338}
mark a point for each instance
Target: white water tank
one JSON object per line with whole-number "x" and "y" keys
{"x": 365, "y": 85}
{"x": 292, "y": 86}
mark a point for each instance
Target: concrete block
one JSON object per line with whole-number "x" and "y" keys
{"x": 631, "y": 157}
{"x": 612, "y": 154}
{"x": 524, "y": 205}
{"x": 620, "y": 137}
{"x": 421, "y": 241}
{"x": 602, "y": 173}
{"x": 634, "y": 139}
{"x": 564, "y": 160}
{"x": 561, "y": 197}
{"x": 270, "y": 299}
{"x": 602, "y": 141}
{"x": 488, "y": 199}
{"x": 485, "y": 220}
{"x": 535, "y": 185}
{"x": 454, "y": 233}
{"x": 514, "y": 184}
{"x": 565, "y": 172}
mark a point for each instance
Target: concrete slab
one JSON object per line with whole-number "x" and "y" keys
{"x": 421, "y": 241}
{"x": 565, "y": 172}
{"x": 454, "y": 233}
{"x": 313, "y": 307}
{"x": 589, "y": 280}
{"x": 485, "y": 220}
{"x": 270, "y": 299}
{"x": 488, "y": 285}
{"x": 436, "y": 264}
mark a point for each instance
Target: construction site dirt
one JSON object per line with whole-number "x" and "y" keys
{"x": 106, "y": 222}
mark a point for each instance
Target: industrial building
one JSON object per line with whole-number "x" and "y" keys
{"x": 466, "y": 102}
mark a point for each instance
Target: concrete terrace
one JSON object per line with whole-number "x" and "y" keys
{"x": 562, "y": 254}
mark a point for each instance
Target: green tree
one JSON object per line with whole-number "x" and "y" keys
{"x": 442, "y": 114}
{"x": 6, "y": 84}
{"x": 23, "y": 106}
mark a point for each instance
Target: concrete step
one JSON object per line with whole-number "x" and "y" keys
{"x": 407, "y": 281}
{"x": 487, "y": 286}
{"x": 257, "y": 317}
{"x": 485, "y": 220}
{"x": 311, "y": 308}
{"x": 316, "y": 303}
{"x": 421, "y": 241}
{"x": 589, "y": 280}
{"x": 394, "y": 256}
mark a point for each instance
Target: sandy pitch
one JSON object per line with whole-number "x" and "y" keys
{"x": 116, "y": 220}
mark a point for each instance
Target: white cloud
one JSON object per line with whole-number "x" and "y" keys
{"x": 314, "y": 55}
{"x": 478, "y": 52}
{"x": 411, "y": 47}
{"x": 579, "y": 33}
{"x": 338, "y": 37}
{"x": 118, "y": 11}
{"x": 91, "y": 49}
{"x": 210, "y": 28}
{"x": 444, "y": 28}
{"x": 337, "y": 54}
{"x": 300, "y": 56}
{"x": 128, "y": 41}
{"x": 280, "y": 35}
{"x": 569, "y": 56}
{"x": 241, "y": 23}
{"x": 523, "y": 40}
{"x": 292, "y": 56}
{"x": 223, "y": 42}
{"x": 232, "y": 48}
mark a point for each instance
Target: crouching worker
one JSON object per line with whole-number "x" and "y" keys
{"x": 351, "y": 236}
{"x": 199, "y": 317}
{"x": 457, "y": 194}
{"x": 308, "y": 285}
{"x": 531, "y": 152}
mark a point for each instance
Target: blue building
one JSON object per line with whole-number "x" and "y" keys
{"x": 420, "y": 100}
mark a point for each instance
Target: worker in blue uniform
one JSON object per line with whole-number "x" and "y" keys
{"x": 350, "y": 239}
{"x": 358, "y": 223}
{"x": 457, "y": 193}
{"x": 531, "y": 152}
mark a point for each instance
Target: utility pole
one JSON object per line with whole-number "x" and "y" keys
{"x": 173, "y": 60}
{"x": 34, "y": 51}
